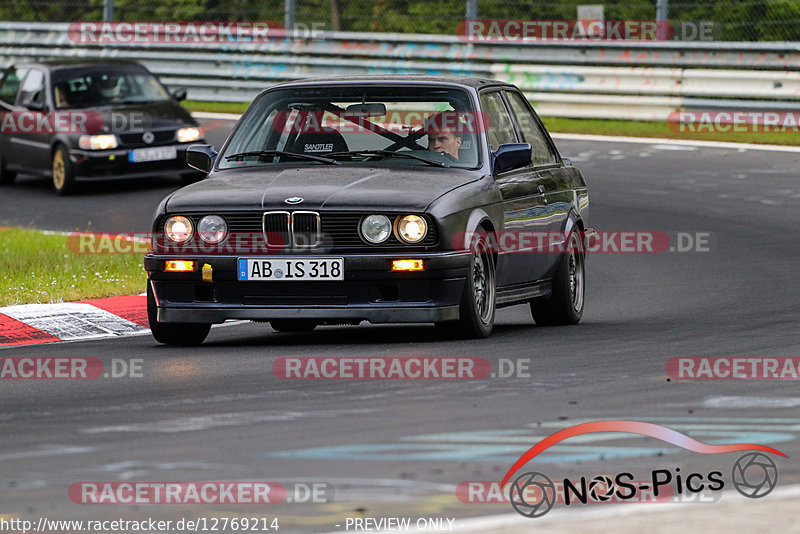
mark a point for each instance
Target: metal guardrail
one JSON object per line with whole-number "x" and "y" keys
{"x": 611, "y": 79}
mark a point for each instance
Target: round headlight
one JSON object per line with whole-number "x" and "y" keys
{"x": 412, "y": 229}
{"x": 376, "y": 228}
{"x": 178, "y": 228}
{"x": 212, "y": 229}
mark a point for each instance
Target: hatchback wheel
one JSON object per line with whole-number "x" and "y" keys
{"x": 63, "y": 175}
{"x": 6, "y": 177}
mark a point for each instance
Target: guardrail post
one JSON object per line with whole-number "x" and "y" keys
{"x": 290, "y": 11}
{"x": 472, "y": 10}
{"x": 108, "y": 10}
{"x": 662, "y": 7}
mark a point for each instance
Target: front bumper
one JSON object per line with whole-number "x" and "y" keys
{"x": 108, "y": 164}
{"x": 370, "y": 291}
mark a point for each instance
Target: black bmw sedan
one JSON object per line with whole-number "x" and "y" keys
{"x": 83, "y": 120}
{"x": 383, "y": 199}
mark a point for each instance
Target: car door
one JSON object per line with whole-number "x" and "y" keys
{"x": 523, "y": 204}
{"x": 34, "y": 146}
{"x": 9, "y": 87}
{"x": 557, "y": 196}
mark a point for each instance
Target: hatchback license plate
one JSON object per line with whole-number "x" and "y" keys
{"x": 290, "y": 269}
{"x": 156, "y": 153}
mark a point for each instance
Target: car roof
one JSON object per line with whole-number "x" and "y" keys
{"x": 463, "y": 81}
{"x": 71, "y": 63}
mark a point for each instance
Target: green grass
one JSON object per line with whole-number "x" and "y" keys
{"x": 38, "y": 267}
{"x": 216, "y": 107}
{"x": 660, "y": 129}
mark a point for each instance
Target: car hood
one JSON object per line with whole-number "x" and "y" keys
{"x": 150, "y": 116}
{"x": 344, "y": 187}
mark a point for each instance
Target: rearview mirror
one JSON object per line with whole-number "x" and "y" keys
{"x": 201, "y": 157}
{"x": 179, "y": 94}
{"x": 372, "y": 109}
{"x": 511, "y": 156}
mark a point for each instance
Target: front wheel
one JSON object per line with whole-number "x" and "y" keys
{"x": 565, "y": 305}
{"x": 63, "y": 175}
{"x": 176, "y": 334}
{"x": 476, "y": 311}
{"x": 6, "y": 177}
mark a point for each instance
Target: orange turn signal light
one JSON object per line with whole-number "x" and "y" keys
{"x": 178, "y": 266}
{"x": 408, "y": 265}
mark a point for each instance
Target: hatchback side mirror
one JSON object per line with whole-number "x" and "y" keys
{"x": 511, "y": 156}
{"x": 179, "y": 94}
{"x": 201, "y": 157}
{"x": 35, "y": 105}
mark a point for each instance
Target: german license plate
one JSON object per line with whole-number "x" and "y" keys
{"x": 290, "y": 269}
{"x": 156, "y": 153}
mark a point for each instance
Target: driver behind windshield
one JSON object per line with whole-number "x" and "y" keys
{"x": 109, "y": 86}
{"x": 440, "y": 138}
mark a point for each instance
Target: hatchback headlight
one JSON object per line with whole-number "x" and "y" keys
{"x": 187, "y": 135}
{"x": 98, "y": 142}
{"x": 411, "y": 229}
{"x": 178, "y": 228}
{"x": 376, "y": 228}
{"x": 212, "y": 229}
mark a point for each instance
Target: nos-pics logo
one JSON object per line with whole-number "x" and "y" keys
{"x": 533, "y": 494}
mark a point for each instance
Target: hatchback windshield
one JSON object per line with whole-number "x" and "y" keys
{"x": 357, "y": 125}
{"x": 104, "y": 86}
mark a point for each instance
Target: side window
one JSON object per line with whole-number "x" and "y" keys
{"x": 530, "y": 130}
{"x": 500, "y": 129}
{"x": 10, "y": 85}
{"x": 32, "y": 89}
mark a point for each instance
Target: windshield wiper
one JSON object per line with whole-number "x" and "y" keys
{"x": 387, "y": 154}
{"x": 268, "y": 153}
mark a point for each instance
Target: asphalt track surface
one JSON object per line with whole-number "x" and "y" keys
{"x": 399, "y": 448}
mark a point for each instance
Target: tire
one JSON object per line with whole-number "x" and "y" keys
{"x": 477, "y": 308}
{"x": 6, "y": 177}
{"x": 63, "y": 175}
{"x": 293, "y": 325}
{"x": 565, "y": 304}
{"x": 175, "y": 334}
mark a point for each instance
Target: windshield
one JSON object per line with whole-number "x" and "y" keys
{"x": 104, "y": 86}
{"x": 356, "y": 125}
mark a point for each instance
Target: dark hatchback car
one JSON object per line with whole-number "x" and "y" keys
{"x": 81, "y": 120}
{"x": 334, "y": 202}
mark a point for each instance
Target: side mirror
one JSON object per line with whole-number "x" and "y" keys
{"x": 201, "y": 157}
{"x": 35, "y": 106}
{"x": 179, "y": 94}
{"x": 511, "y": 156}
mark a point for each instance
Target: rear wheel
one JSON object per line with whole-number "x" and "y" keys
{"x": 476, "y": 311}
{"x": 176, "y": 334}
{"x": 63, "y": 175}
{"x": 565, "y": 305}
{"x": 6, "y": 177}
{"x": 293, "y": 325}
